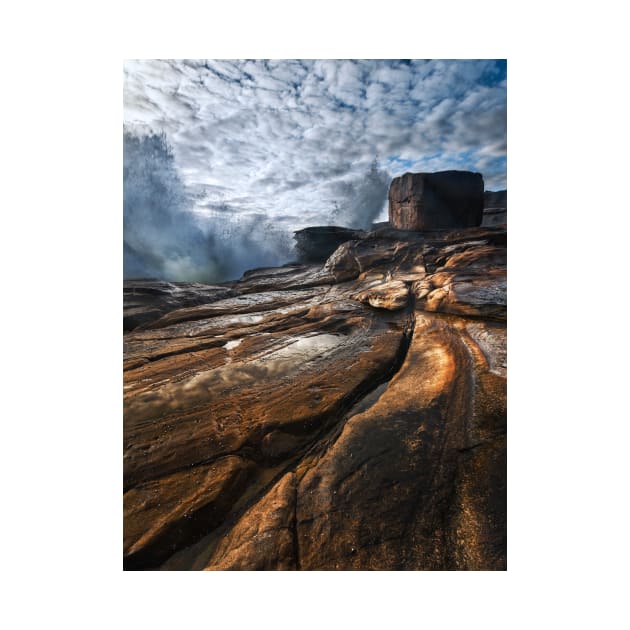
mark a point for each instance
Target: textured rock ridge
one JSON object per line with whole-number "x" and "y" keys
{"x": 349, "y": 415}
{"x": 146, "y": 300}
{"x": 433, "y": 201}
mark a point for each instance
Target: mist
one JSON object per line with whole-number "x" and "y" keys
{"x": 164, "y": 239}
{"x": 359, "y": 202}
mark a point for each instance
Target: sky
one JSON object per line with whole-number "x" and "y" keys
{"x": 293, "y": 143}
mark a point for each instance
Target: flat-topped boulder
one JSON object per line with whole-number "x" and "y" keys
{"x": 434, "y": 201}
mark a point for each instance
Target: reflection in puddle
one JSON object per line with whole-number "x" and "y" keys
{"x": 307, "y": 347}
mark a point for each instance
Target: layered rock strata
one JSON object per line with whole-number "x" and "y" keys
{"x": 349, "y": 415}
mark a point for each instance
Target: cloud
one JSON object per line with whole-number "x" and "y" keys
{"x": 289, "y": 139}
{"x": 360, "y": 200}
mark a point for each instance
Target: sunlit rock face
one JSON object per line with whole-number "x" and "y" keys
{"x": 432, "y": 201}
{"x": 345, "y": 415}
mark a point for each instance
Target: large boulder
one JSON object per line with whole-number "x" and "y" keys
{"x": 433, "y": 201}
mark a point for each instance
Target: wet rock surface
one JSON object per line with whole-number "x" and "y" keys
{"x": 335, "y": 416}
{"x": 146, "y": 300}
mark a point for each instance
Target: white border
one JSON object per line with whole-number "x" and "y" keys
{"x": 62, "y": 254}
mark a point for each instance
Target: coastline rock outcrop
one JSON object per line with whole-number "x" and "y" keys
{"x": 146, "y": 300}
{"x": 349, "y": 415}
{"x": 316, "y": 244}
{"x": 494, "y": 207}
{"x": 433, "y": 201}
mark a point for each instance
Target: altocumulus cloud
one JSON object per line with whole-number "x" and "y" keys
{"x": 251, "y": 150}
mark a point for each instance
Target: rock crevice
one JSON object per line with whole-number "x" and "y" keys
{"x": 342, "y": 415}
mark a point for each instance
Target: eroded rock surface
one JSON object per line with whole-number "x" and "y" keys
{"x": 345, "y": 415}
{"x": 429, "y": 201}
{"x": 146, "y": 300}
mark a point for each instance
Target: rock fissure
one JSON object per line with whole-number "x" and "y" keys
{"x": 294, "y": 530}
{"x": 358, "y": 427}
{"x": 323, "y": 443}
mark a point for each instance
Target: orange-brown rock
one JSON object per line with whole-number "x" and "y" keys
{"x": 264, "y": 538}
{"x": 177, "y": 505}
{"x": 344, "y": 416}
{"x": 467, "y": 279}
{"x": 392, "y": 295}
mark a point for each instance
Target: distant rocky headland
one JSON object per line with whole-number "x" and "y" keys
{"x": 343, "y": 412}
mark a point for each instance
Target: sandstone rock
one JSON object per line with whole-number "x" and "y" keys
{"x": 354, "y": 257}
{"x": 392, "y": 295}
{"x": 430, "y": 201}
{"x": 468, "y": 279}
{"x": 344, "y": 416}
{"x": 264, "y": 538}
{"x": 260, "y": 386}
{"x": 180, "y": 505}
{"x": 147, "y": 300}
{"x": 403, "y": 486}
{"x": 284, "y": 278}
{"x": 249, "y": 303}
